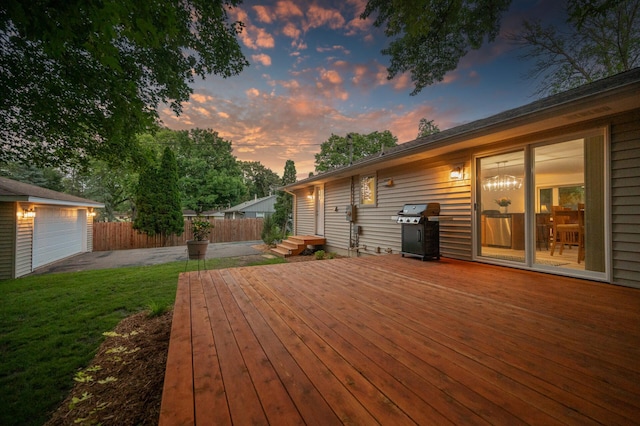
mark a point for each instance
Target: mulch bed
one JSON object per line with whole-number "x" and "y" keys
{"x": 123, "y": 384}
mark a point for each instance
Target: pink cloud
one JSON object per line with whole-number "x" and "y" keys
{"x": 262, "y": 59}
{"x": 200, "y": 98}
{"x": 264, "y": 14}
{"x": 318, "y": 16}
{"x": 291, "y": 31}
{"x": 287, "y": 9}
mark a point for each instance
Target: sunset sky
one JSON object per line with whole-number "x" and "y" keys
{"x": 316, "y": 69}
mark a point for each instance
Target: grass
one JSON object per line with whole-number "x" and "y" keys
{"x": 51, "y": 327}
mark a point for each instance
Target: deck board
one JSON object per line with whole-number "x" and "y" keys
{"x": 392, "y": 340}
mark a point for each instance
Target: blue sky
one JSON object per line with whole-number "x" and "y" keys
{"x": 316, "y": 69}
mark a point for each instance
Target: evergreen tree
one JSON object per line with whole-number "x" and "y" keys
{"x": 158, "y": 199}
{"x": 145, "y": 209}
{"x": 284, "y": 202}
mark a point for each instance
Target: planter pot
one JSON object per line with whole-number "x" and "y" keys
{"x": 197, "y": 249}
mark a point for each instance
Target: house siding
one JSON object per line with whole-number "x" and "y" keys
{"x": 336, "y": 227}
{"x": 24, "y": 247}
{"x": 305, "y": 214}
{"x": 8, "y": 240}
{"x": 89, "y": 233}
{"x": 625, "y": 199}
{"x": 421, "y": 181}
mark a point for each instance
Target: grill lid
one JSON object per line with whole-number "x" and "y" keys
{"x": 430, "y": 209}
{"x": 416, "y": 213}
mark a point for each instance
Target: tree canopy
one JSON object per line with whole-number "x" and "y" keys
{"x": 284, "y": 201}
{"x": 209, "y": 174}
{"x": 341, "y": 151}
{"x": 427, "y": 127}
{"x": 158, "y": 199}
{"x": 602, "y": 38}
{"x": 260, "y": 180}
{"x": 80, "y": 78}
{"x": 429, "y": 37}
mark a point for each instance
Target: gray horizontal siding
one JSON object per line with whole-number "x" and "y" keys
{"x": 625, "y": 199}
{"x": 7, "y": 240}
{"x": 336, "y": 227}
{"x": 422, "y": 181}
{"x": 24, "y": 247}
{"x": 305, "y": 220}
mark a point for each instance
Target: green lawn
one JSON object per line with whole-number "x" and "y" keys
{"x": 51, "y": 326}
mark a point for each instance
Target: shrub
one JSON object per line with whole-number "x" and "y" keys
{"x": 331, "y": 255}
{"x": 201, "y": 228}
{"x": 271, "y": 233}
{"x": 319, "y": 254}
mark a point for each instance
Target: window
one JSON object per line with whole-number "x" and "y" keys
{"x": 368, "y": 190}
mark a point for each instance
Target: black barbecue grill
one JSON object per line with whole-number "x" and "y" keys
{"x": 420, "y": 236}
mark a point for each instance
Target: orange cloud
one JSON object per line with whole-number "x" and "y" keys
{"x": 201, "y": 99}
{"x": 290, "y": 30}
{"x": 263, "y": 13}
{"x": 318, "y": 16}
{"x": 332, "y": 76}
{"x": 262, "y": 59}
{"x": 287, "y": 9}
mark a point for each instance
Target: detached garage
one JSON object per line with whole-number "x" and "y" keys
{"x": 39, "y": 226}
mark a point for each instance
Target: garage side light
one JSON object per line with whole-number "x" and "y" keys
{"x": 27, "y": 214}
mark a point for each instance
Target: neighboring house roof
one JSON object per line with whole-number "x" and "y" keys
{"x": 264, "y": 204}
{"x": 604, "y": 97}
{"x": 11, "y": 190}
{"x": 189, "y": 213}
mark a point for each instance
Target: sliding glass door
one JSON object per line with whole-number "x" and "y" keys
{"x": 569, "y": 204}
{"x": 543, "y": 206}
{"x": 502, "y": 206}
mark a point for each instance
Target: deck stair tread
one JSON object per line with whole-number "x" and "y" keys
{"x": 295, "y": 244}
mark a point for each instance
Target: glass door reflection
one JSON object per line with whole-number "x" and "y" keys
{"x": 502, "y": 206}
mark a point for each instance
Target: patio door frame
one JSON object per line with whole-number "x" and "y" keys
{"x": 530, "y": 194}
{"x": 319, "y": 210}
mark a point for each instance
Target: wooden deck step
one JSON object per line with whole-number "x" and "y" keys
{"x": 296, "y": 244}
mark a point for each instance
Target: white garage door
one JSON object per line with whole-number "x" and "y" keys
{"x": 58, "y": 233}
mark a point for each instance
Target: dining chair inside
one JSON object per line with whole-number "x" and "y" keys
{"x": 568, "y": 229}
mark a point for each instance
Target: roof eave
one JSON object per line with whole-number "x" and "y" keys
{"x": 511, "y": 119}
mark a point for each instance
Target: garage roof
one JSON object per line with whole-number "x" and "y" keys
{"x": 11, "y": 190}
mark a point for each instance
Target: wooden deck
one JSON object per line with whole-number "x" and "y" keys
{"x": 392, "y": 340}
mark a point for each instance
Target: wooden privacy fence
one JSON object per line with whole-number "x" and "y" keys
{"x": 122, "y": 236}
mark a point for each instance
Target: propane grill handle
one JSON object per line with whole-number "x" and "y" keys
{"x": 419, "y": 235}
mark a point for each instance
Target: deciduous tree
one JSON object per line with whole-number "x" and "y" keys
{"x": 341, "y": 151}
{"x": 427, "y": 127}
{"x": 260, "y": 180}
{"x": 429, "y": 37}
{"x": 81, "y": 78}
{"x": 601, "y": 38}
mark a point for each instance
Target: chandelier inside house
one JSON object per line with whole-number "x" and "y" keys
{"x": 501, "y": 182}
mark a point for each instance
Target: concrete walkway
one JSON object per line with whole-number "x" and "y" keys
{"x": 141, "y": 257}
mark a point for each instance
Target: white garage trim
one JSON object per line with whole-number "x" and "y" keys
{"x": 58, "y": 233}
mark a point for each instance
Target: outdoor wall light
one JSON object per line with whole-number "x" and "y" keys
{"x": 389, "y": 182}
{"x": 310, "y": 194}
{"x": 27, "y": 214}
{"x": 457, "y": 173}
{"x": 91, "y": 212}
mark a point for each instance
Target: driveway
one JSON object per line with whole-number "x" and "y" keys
{"x": 152, "y": 256}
